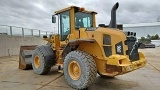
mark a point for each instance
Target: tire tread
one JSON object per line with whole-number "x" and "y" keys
{"x": 46, "y": 68}
{"x": 91, "y": 70}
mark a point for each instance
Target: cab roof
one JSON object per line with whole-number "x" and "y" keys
{"x": 68, "y": 8}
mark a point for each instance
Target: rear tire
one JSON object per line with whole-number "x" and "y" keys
{"x": 79, "y": 69}
{"x": 42, "y": 59}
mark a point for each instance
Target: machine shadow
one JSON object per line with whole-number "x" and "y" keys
{"x": 115, "y": 83}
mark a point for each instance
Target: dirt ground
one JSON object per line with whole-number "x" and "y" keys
{"x": 146, "y": 78}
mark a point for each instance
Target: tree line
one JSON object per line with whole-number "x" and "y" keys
{"x": 148, "y": 39}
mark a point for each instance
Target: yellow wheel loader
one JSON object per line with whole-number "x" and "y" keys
{"x": 83, "y": 50}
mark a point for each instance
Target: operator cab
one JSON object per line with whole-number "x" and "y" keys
{"x": 73, "y": 18}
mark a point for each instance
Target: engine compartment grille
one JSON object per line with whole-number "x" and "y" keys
{"x": 108, "y": 48}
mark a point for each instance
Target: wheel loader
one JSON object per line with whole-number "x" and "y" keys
{"x": 82, "y": 49}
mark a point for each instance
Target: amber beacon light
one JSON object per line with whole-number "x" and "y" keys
{"x": 82, "y": 9}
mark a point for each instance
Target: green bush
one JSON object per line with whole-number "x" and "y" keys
{"x": 148, "y": 38}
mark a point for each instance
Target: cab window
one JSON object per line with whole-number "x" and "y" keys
{"x": 65, "y": 25}
{"x": 83, "y": 20}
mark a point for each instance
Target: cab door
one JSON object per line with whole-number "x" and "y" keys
{"x": 64, "y": 25}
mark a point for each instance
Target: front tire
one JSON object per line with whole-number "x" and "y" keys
{"x": 79, "y": 69}
{"x": 43, "y": 59}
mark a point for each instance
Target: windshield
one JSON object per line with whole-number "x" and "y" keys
{"x": 83, "y": 20}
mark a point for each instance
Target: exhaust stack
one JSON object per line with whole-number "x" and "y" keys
{"x": 113, "y": 23}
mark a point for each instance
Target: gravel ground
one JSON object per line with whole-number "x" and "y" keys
{"x": 146, "y": 78}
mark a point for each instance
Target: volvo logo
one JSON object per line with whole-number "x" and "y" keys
{"x": 119, "y": 49}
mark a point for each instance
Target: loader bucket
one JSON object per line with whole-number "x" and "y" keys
{"x": 25, "y": 57}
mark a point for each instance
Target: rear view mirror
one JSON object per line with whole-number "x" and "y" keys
{"x": 53, "y": 19}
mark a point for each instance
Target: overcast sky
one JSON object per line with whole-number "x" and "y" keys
{"x": 36, "y": 14}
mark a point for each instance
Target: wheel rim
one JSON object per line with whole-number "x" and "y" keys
{"x": 74, "y": 70}
{"x": 37, "y": 61}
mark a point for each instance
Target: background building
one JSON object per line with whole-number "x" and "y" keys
{"x": 143, "y": 29}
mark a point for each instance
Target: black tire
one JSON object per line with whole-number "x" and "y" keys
{"x": 104, "y": 76}
{"x": 46, "y": 57}
{"x": 87, "y": 66}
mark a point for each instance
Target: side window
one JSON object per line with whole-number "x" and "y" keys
{"x": 65, "y": 25}
{"x": 79, "y": 23}
{"x": 87, "y": 22}
{"x": 83, "y": 20}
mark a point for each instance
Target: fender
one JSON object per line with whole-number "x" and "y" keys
{"x": 86, "y": 45}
